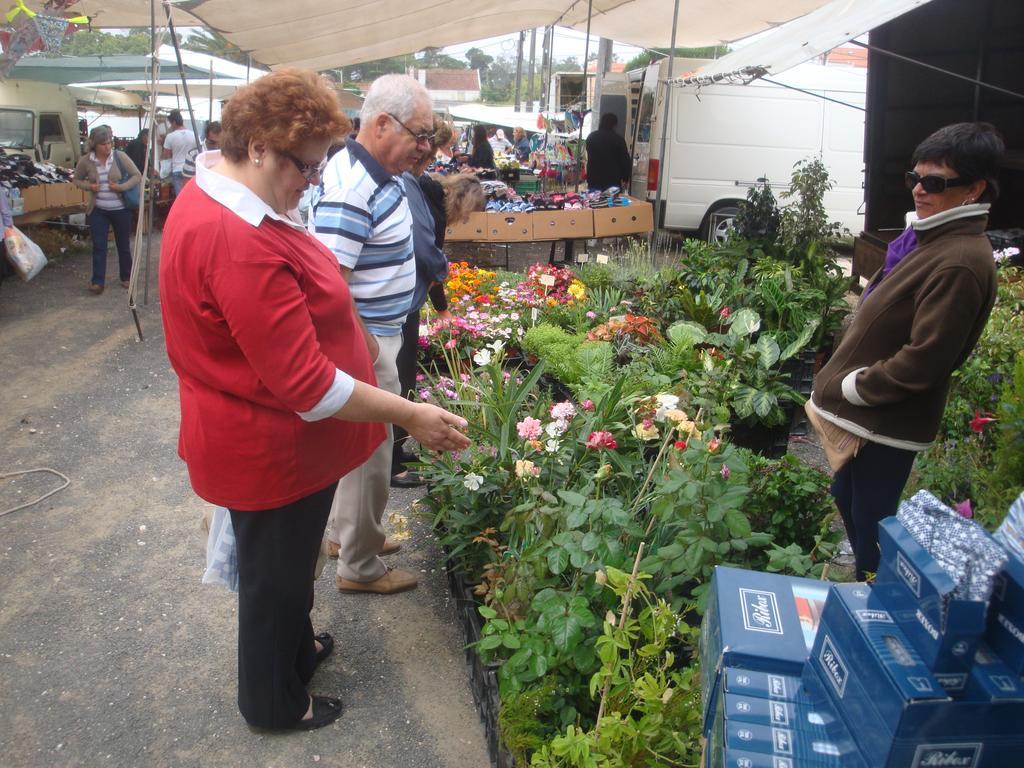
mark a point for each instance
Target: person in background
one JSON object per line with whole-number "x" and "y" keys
{"x": 482, "y": 155}
{"x": 177, "y": 144}
{"x": 499, "y": 143}
{"x": 920, "y": 316}
{"x": 275, "y": 378}
{"x": 521, "y": 144}
{"x": 363, "y": 217}
{"x": 100, "y": 173}
{"x": 213, "y": 131}
{"x": 136, "y": 150}
{"x": 424, "y": 194}
{"x": 608, "y": 162}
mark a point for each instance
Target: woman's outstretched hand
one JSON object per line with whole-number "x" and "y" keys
{"x": 436, "y": 428}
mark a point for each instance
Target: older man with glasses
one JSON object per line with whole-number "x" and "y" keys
{"x": 364, "y": 218}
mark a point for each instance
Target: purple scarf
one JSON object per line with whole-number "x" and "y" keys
{"x": 897, "y": 250}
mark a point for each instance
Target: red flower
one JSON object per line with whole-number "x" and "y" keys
{"x": 724, "y": 313}
{"x": 601, "y": 440}
{"x": 978, "y": 422}
{"x": 679, "y": 445}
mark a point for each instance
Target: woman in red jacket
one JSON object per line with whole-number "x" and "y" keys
{"x": 275, "y": 376}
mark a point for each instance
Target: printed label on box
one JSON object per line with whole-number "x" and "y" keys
{"x": 867, "y": 614}
{"x": 833, "y": 665}
{"x": 946, "y": 756}
{"x": 760, "y": 611}
{"x": 783, "y": 741}
{"x": 908, "y": 574}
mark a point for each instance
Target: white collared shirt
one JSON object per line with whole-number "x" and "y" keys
{"x": 250, "y": 208}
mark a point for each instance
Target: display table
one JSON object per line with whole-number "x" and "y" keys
{"x": 49, "y": 201}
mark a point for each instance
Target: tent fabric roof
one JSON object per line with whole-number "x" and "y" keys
{"x": 491, "y": 115}
{"x": 803, "y": 39}
{"x": 94, "y": 69}
{"x": 322, "y": 34}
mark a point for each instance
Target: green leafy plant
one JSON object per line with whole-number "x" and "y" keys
{"x": 804, "y": 220}
{"x": 758, "y": 217}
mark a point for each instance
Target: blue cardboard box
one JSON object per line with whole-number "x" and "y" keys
{"x": 761, "y": 622}
{"x": 763, "y": 685}
{"x": 918, "y": 593}
{"x": 799, "y": 715}
{"x": 895, "y": 709}
{"x": 1006, "y": 615}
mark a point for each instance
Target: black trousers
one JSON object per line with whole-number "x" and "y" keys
{"x": 277, "y": 553}
{"x": 867, "y": 490}
{"x": 408, "y": 356}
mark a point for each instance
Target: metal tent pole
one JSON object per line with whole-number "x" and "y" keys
{"x": 583, "y": 112}
{"x": 658, "y": 218}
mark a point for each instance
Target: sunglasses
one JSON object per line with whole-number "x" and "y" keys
{"x": 933, "y": 184}
{"x": 421, "y": 138}
{"x": 308, "y": 171}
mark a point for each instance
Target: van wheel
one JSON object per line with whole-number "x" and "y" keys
{"x": 718, "y": 221}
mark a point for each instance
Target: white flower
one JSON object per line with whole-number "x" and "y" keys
{"x": 551, "y": 446}
{"x": 497, "y": 346}
{"x": 473, "y": 481}
{"x": 555, "y": 428}
{"x": 665, "y": 403}
{"x": 482, "y": 357}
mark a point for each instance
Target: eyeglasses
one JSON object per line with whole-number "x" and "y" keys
{"x": 933, "y": 184}
{"x": 308, "y": 171}
{"x": 421, "y": 138}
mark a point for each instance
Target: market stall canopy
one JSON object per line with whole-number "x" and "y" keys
{"x": 96, "y": 69}
{"x": 322, "y": 34}
{"x": 222, "y": 87}
{"x": 488, "y": 115}
{"x": 105, "y": 99}
{"x": 801, "y": 40}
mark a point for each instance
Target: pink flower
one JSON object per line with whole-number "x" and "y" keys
{"x": 529, "y": 428}
{"x": 725, "y": 472}
{"x": 424, "y": 394}
{"x": 724, "y": 313}
{"x": 601, "y": 439}
{"x": 588, "y": 405}
{"x": 563, "y": 411}
{"x": 964, "y": 508}
{"x": 713, "y": 445}
{"x": 450, "y": 344}
{"x": 591, "y": 315}
{"x": 978, "y": 422}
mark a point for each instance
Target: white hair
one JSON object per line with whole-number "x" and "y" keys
{"x": 397, "y": 95}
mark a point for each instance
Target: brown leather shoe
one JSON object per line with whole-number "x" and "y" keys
{"x": 97, "y": 289}
{"x": 389, "y": 548}
{"x": 391, "y": 582}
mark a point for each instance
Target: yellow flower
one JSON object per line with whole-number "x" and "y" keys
{"x": 676, "y": 415}
{"x": 577, "y": 290}
{"x": 686, "y": 428}
{"x": 525, "y": 469}
{"x": 646, "y": 430}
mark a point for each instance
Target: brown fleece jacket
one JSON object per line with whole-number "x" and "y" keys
{"x": 889, "y": 378}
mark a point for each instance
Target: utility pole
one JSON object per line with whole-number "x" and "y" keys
{"x": 530, "y": 93}
{"x": 544, "y": 66}
{"x": 519, "y": 71}
{"x": 602, "y": 65}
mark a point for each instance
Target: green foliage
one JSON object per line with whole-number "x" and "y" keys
{"x": 758, "y": 218}
{"x": 650, "y": 708}
{"x": 93, "y": 43}
{"x": 804, "y": 220}
{"x": 528, "y": 718}
{"x": 214, "y": 44}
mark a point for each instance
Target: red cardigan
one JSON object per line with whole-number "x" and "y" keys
{"x": 256, "y": 320}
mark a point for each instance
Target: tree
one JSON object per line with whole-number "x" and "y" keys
{"x": 213, "y": 44}
{"x": 647, "y": 57}
{"x": 369, "y": 71}
{"x": 434, "y": 59}
{"x": 479, "y": 60}
{"x": 568, "y": 64}
{"x": 90, "y": 43}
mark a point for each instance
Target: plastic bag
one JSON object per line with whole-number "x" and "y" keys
{"x": 165, "y": 168}
{"x": 221, "y": 552}
{"x": 26, "y": 257}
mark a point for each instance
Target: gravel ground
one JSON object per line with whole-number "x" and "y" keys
{"x": 111, "y": 651}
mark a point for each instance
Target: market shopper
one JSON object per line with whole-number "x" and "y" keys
{"x": 178, "y": 143}
{"x": 608, "y": 162}
{"x": 105, "y": 172}
{"x": 363, "y": 217}
{"x": 520, "y": 144}
{"x": 482, "y": 156}
{"x": 430, "y": 200}
{"x": 275, "y": 377}
{"x": 879, "y": 400}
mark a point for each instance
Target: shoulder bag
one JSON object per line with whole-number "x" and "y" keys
{"x": 130, "y": 197}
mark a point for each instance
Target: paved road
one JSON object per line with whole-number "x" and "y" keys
{"x": 111, "y": 651}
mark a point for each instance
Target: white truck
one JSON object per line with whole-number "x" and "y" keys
{"x": 39, "y": 120}
{"x": 724, "y": 138}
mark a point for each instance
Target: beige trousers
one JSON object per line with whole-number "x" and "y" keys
{"x": 362, "y": 495}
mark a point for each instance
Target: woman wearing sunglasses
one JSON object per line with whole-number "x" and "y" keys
{"x": 882, "y": 394}
{"x": 275, "y": 378}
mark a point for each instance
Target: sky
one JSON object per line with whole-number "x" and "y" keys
{"x": 568, "y": 42}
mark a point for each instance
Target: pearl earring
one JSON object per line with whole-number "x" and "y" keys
{"x": 257, "y": 162}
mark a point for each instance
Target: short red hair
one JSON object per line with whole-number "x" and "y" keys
{"x": 283, "y": 109}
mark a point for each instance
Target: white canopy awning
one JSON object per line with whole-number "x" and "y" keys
{"x": 801, "y": 40}
{"x": 488, "y": 115}
{"x": 321, "y": 34}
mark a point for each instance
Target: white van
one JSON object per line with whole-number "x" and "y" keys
{"x": 724, "y": 138}
{"x": 39, "y": 120}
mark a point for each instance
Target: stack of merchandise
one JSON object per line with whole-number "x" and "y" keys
{"x": 921, "y": 670}
{"x": 20, "y": 172}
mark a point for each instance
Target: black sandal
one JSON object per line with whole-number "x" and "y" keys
{"x": 326, "y": 646}
{"x": 325, "y": 711}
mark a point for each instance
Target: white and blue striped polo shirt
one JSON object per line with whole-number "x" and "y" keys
{"x": 364, "y": 218}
